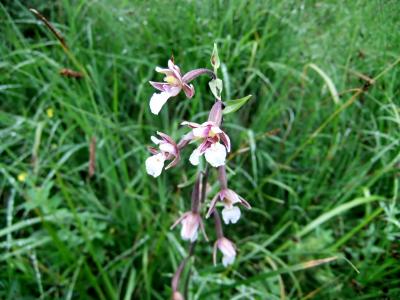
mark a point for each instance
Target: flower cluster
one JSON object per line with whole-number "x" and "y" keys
{"x": 212, "y": 143}
{"x": 167, "y": 150}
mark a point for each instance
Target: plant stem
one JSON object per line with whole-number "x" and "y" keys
{"x": 218, "y": 225}
{"x": 222, "y": 177}
{"x": 204, "y": 184}
{"x": 178, "y": 273}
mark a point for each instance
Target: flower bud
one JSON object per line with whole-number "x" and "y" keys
{"x": 191, "y": 222}
{"x": 215, "y": 114}
{"x": 227, "y": 249}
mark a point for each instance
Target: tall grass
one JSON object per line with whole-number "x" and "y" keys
{"x": 316, "y": 150}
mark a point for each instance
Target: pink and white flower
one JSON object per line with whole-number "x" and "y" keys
{"x": 228, "y": 250}
{"x": 191, "y": 222}
{"x": 230, "y": 212}
{"x": 211, "y": 137}
{"x": 172, "y": 86}
{"x": 167, "y": 150}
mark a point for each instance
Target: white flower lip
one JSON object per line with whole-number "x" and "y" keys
{"x": 157, "y": 101}
{"x": 231, "y": 215}
{"x": 216, "y": 155}
{"x": 195, "y": 157}
{"x": 155, "y": 164}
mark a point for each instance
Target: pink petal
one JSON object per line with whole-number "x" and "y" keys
{"x": 165, "y": 71}
{"x": 171, "y": 64}
{"x": 226, "y": 247}
{"x": 175, "y": 70}
{"x": 225, "y": 140}
{"x": 158, "y": 85}
{"x": 152, "y": 150}
{"x": 245, "y": 203}
{"x": 172, "y": 90}
{"x": 212, "y": 206}
{"x": 179, "y": 220}
{"x": 185, "y": 139}
{"x": 174, "y": 162}
{"x": 189, "y": 90}
{"x": 190, "y": 124}
{"x": 231, "y": 196}
{"x": 204, "y": 146}
{"x": 215, "y": 114}
{"x": 203, "y": 230}
{"x": 166, "y": 138}
{"x": 201, "y": 132}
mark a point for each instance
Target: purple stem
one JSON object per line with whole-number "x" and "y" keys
{"x": 218, "y": 225}
{"x": 196, "y": 194}
{"x": 204, "y": 184}
{"x": 222, "y": 177}
{"x": 196, "y": 200}
{"x": 178, "y": 273}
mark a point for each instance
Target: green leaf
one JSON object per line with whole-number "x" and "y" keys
{"x": 233, "y": 105}
{"x": 216, "y": 87}
{"x": 332, "y": 89}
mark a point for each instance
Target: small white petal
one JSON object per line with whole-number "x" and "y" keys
{"x": 216, "y": 155}
{"x": 155, "y": 164}
{"x": 157, "y": 101}
{"x": 186, "y": 236}
{"x": 231, "y": 215}
{"x": 195, "y": 157}
{"x": 164, "y": 71}
{"x": 155, "y": 140}
{"x": 167, "y": 147}
{"x": 228, "y": 260}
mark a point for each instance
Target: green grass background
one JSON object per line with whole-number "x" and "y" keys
{"x": 322, "y": 176}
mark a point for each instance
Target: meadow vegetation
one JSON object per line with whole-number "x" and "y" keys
{"x": 316, "y": 151}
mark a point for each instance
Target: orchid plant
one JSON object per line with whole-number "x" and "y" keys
{"x": 213, "y": 143}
